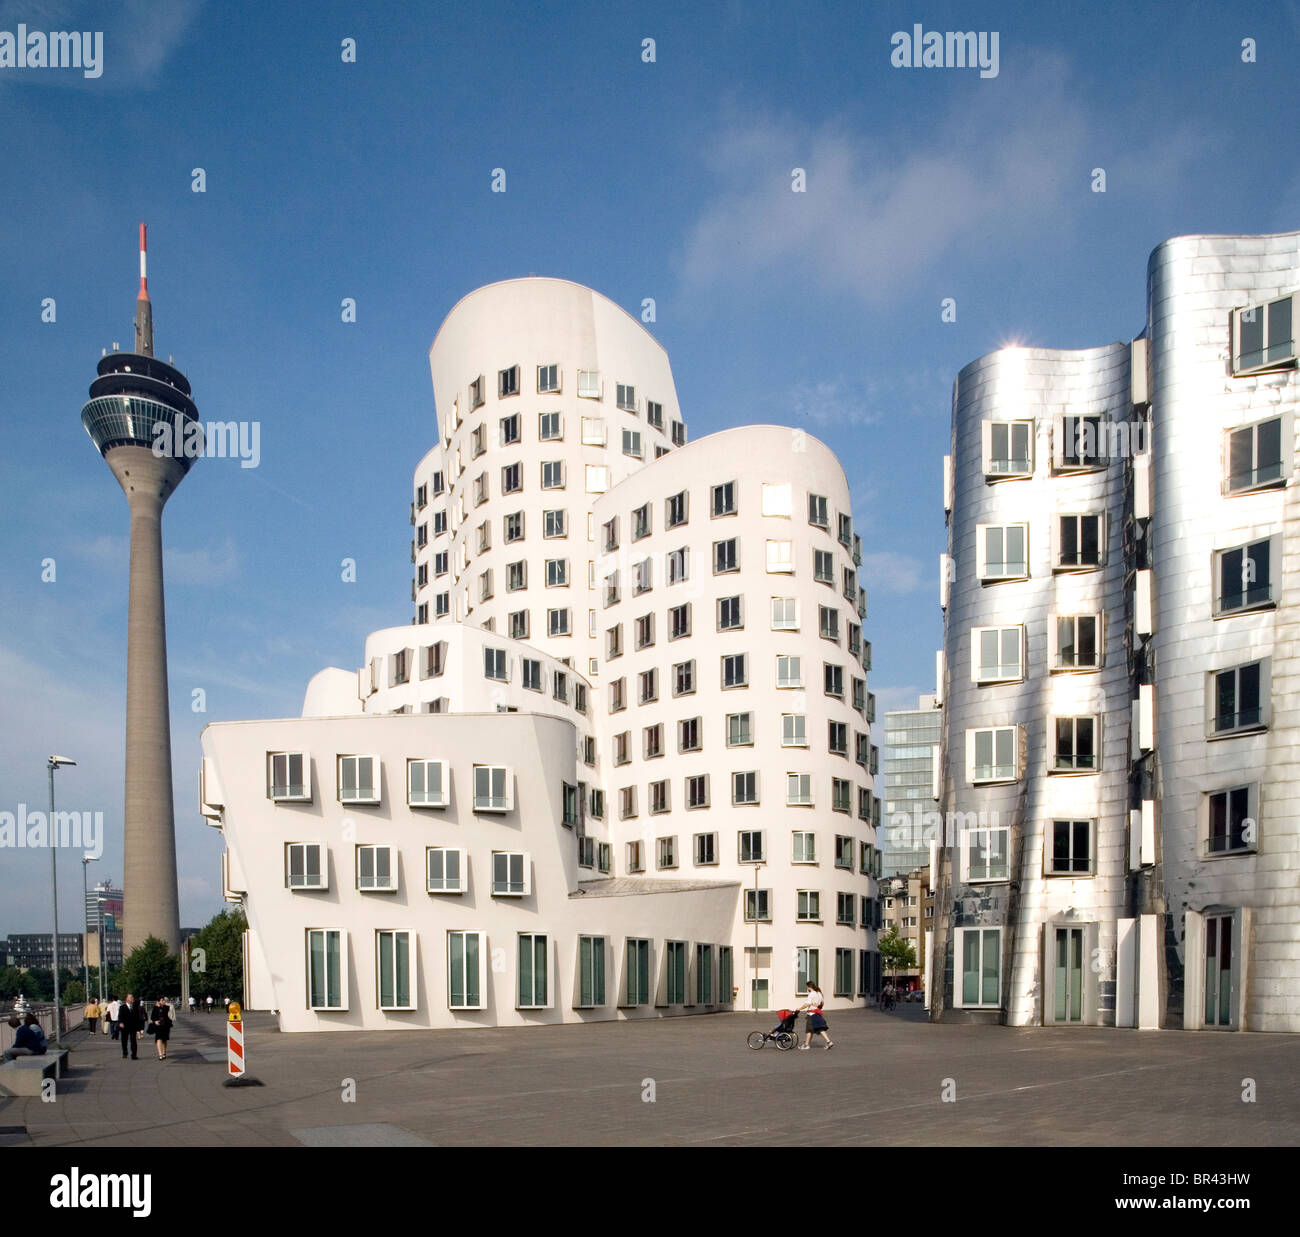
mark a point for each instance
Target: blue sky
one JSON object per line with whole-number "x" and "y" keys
{"x": 669, "y": 180}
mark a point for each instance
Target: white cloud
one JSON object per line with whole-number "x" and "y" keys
{"x": 878, "y": 216}
{"x": 208, "y": 564}
{"x": 890, "y": 572}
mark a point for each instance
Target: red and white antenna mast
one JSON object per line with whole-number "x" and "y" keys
{"x": 143, "y": 307}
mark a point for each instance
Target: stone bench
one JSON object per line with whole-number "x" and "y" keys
{"x": 24, "y": 1075}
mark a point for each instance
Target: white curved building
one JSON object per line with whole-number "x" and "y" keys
{"x": 620, "y": 765}
{"x": 1159, "y": 887}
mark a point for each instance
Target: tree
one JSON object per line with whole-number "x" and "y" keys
{"x": 219, "y": 970}
{"x": 896, "y": 953}
{"x": 150, "y": 971}
{"x": 73, "y": 994}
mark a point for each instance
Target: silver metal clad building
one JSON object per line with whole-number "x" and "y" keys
{"x": 1120, "y": 701}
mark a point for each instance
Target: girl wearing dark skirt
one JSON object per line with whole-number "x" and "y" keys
{"x": 160, "y": 1023}
{"x": 816, "y": 1023}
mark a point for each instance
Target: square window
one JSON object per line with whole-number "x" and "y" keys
{"x": 740, "y": 729}
{"x": 986, "y": 854}
{"x": 1258, "y": 456}
{"x": 509, "y": 874}
{"x": 724, "y": 499}
{"x": 1075, "y": 747}
{"x": 1008, "y": 447}
{"x": 997, "y": 654}
{"x": 358, "y": 779}
{"x": 550, "y": 427}
{"x": 1263, "y": 337}
{"x": 735, "y": 671}
{"x": 992, "y": 754}
{"x": 375, "y": 869}
{"x": 444, "y": 870}
{"x": 744, "y": 788}
{"x": 684, "y": 678}
{"x": 1238, "y": 698}
{"x": 785, "y": 614}
{"x": 1245, "y": 577}
{"x": 776, "y": 499}
{"x": 1071, "y": 848}
{"x": 305, "y": 866}
{"x": 1002, "y": 551}
{"x": 1232, "y": 820}
{"x": 1081, "y": 543}
{"x": 548, "y": 379}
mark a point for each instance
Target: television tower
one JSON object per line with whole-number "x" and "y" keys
{"x": 138, "y": 416}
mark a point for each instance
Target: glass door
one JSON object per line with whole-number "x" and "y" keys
{"x": 1069, "y": 975}
{"x": 1218, "y": 971}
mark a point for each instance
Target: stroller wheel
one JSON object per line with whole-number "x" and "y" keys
{"x": 755, "y": 1039}
{"x": 785, "y": 1040}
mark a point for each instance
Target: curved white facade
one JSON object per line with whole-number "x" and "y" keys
{"x": 731, "y": 827}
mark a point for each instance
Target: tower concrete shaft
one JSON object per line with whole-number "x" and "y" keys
{"x": 147, "y": 481}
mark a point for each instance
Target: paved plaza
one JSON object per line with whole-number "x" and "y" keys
{"x": 882, "y": 1084}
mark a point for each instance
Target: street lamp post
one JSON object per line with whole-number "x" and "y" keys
{"x": 53, "y": 763}
{"x": 99, "y": 933}
{"x": 86, "y": 861}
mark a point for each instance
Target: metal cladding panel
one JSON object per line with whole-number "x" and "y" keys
{"x": 1022, "y": 384}
{"x": 1194, "y": 284}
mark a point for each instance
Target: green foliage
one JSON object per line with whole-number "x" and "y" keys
{"x": 73, "y": 994}
{"x": 150, "y": 972}
{"x": 895, "y": 952}
{"x": 15, "y": 983}
{"x": 222, "y": 959}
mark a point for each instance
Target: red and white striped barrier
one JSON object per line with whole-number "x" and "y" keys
{"x": 235, "y": 1048}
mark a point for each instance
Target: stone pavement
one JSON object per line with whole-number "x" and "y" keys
{"x": 584, "y": 1084}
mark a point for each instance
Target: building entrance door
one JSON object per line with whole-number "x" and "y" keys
{"x": 1069, "y": 975}
{"x": 1218, "y": 971}
{"x": 758, "y": 967}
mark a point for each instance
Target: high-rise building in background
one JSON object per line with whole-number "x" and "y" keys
{"x": 1121, "y": 704}
{"x": 139, "y": 404}
{"x": 913, "y": 740}
{"x": 620, "y": 764}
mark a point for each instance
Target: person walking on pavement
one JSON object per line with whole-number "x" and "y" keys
{"x": 114, "y": 1008}
{"x": 92, "y": 1015}
{"x": 130, "y": 1023}
{"x": 816, "y": 1023}
{"x": 193, "y": 1002}
{"x": 160, "y": 1024}
{"x": 209, "y": 1004}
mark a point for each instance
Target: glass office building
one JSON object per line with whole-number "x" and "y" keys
{"x": 912, "y": 737}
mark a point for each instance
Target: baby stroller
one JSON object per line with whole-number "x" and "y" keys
{"x": 782, "y": 1035}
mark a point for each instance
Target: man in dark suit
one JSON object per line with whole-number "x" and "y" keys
{"x": 130, "y": 1022}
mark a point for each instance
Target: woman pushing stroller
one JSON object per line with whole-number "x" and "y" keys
{"x": 816, "y": 1023}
